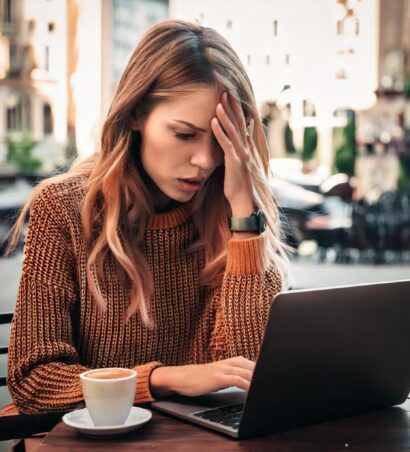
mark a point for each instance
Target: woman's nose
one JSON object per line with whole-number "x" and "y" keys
{"x": 207, "y": 156}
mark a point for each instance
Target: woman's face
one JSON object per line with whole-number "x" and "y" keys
{"x": 178, "y": 148}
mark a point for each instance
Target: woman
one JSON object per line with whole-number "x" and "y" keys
{"x": 129, "y": 258}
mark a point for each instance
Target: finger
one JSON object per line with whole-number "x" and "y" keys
{"x": 232, "y": 133}
{"x": 229, "y": 127}
{"x": 239, "y": 115}
{"x": 244, "y": 373}
{"x": 225, "y": 143}
{"x": 235, "y": 380}
{"x": 241, "y": 361}
{"x": 225, "y": 101}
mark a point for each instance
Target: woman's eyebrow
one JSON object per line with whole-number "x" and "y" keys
{"x": 189, "y": 124}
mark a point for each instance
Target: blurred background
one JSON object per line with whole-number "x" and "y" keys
{"x": 332, "y": 83}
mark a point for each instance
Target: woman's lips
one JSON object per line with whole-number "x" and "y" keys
{"x": 191, "y": 184}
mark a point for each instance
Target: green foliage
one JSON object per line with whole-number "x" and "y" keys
{"x": 19, "y": 151}
{"x": 346, "y": 152}
{"x": 404, "y": 175}
{"x": 309, "y": 143}
{"x": 289, "y": 144}
{"x": 407, "y": 87}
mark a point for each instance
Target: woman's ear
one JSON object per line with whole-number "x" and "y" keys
{"x": 134, "y": 122}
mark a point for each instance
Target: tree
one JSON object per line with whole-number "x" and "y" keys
{"x": 289, "y": 144}
{"x": 19, "y": 151}
{"x": 309, "y": 143}
{"x": 346, "y": 153}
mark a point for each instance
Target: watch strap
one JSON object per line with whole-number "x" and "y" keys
{"x": 245, "y": 224}
{"x": 255, "y": 222}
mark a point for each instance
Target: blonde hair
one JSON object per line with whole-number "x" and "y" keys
{"x": 172, "y": 57}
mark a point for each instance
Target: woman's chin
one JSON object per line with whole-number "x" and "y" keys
{"x": 183, "y": 198}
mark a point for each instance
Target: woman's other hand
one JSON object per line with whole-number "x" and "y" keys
{"x": 229, "y": 128}
{"x": 198, "y": 379}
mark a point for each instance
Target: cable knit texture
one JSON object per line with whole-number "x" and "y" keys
{"x": 58, "y": 332}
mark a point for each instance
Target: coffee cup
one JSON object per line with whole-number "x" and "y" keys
{"x": 109, "y": 394}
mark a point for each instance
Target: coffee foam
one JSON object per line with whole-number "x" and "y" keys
{"x": 109, "y": 374}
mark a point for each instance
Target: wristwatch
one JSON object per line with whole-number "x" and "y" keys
{"x": 255, "y": 223}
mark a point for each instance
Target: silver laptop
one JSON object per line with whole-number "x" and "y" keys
{"x": 325, "y": 354}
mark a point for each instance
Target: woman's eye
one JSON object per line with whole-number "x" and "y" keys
{"x": 184, "y": 136}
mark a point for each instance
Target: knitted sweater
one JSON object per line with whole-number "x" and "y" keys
{"x": 58, "y": 332}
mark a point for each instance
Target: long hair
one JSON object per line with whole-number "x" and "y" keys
{"x": 172, "y": 58}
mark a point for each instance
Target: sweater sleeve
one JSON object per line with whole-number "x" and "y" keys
{"x": 242, "y": 303}
{"x": 44, "y": 366}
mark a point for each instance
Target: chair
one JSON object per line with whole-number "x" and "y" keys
{"x": 5, "y": 319}
{"x": 17, "y": 427}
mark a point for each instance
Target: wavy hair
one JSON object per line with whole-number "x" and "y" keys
{"x": 172, "y": 58}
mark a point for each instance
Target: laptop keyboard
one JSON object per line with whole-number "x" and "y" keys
{"x": 229, "y": 415}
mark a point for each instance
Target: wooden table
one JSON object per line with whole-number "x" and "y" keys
{"x": 382, "y": 431}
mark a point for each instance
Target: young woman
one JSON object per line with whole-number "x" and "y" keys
{"x": 153, "y": 253}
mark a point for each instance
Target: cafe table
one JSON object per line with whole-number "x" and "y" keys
{"x": 386, "y": 430}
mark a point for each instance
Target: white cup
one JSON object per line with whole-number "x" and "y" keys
{"x": 109, "y": 394}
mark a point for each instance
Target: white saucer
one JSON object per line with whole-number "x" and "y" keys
{"x": 81, "y": 421}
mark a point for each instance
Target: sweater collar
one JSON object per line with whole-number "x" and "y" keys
{"x": 171, "y": 218}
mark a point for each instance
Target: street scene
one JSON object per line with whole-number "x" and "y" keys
{"x": 331, "y": 86}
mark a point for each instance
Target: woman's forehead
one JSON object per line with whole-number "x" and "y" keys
{"x": 199, "y": 102}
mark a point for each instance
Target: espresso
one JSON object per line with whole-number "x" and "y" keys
{"x": 109, "y": 374}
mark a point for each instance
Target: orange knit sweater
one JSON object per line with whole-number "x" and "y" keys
{"x": 57, "y": 332}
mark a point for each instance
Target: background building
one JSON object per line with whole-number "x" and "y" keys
{"x": 116, "y": 27}
{"x": 308, "y": 69}
{"x": 34, "y": 71}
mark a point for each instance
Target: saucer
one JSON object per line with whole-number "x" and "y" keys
{"x": 81, "y": 421}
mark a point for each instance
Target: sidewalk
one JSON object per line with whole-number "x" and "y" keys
{"x": 306, "y": 274}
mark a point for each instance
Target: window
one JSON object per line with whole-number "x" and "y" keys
{"x": 51, "y": 27}
{"x": 8, "y": 11}
{"x": 341, "y": 74}
{"x": 31, "y": 26}
{"x": 309, "y": 108}
{"x": 47, "y": 120}
{"x": 12, "y": 120}
{"x": 46, "y": 58}
{"x": 18, "y": 114}
{"x": 349, "y": 25}
{"x": 13, "y": 55}
{"x": 275, "y": 28}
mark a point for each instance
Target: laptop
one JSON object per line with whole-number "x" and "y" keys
{"x": 326, "y": 354}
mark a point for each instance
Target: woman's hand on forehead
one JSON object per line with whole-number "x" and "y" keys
{"x": 229, "y": 128}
